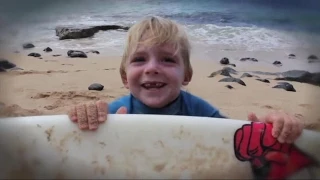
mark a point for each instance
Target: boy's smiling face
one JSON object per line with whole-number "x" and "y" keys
{"x": 154, "y": 75}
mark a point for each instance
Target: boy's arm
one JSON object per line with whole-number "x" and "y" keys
{"x": 115, "y": 105}
{"x": 200, "y": 107}
{"x": 217, "y": 114}
{"x": 210, "y": 111}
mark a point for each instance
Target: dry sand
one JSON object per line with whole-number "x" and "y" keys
{"x": 51, "y": 85}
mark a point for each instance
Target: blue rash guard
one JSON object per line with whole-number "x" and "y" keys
{"x": 186, "y": 105}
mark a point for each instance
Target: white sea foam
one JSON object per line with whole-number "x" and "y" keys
{"x": 225, "y": 37}
{"x": 249, "y": 38}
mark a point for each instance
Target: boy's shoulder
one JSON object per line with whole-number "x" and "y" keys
{"x": 200, "y": 107}
{"x": 192, "y": 105}
{"x": 122, "y": 101}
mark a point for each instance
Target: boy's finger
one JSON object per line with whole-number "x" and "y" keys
{"x": 82, "y": 116}
{"x": 92, "y": 114}
{"x": 286, "y": 131}
{"x": 122, "y": 110}
{"x": 102, "y": 108}
{"x": 277, "y": 124}
{"x": 253, "y": 117}
{"x": 296, "y": 130}
{"x": 73, "y": 114}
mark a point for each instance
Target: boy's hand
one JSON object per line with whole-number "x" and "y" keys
{"x": 89, "y": 116}
{"x": 286, "y": 128}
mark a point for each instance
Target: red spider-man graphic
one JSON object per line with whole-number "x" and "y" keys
{"x": 269, "y": 158}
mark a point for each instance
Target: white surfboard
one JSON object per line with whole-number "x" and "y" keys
{"x": 151, "y": 146}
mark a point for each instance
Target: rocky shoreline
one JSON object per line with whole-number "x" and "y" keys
{"x": 291, "y": 75}
{"x": 230, "y": 74}
{"x": 85, "y": 32}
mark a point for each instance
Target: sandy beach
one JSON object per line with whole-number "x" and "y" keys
{"x": 52, "y": 85}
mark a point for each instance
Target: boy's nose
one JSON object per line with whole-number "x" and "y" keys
{"x": 152, "y": 68}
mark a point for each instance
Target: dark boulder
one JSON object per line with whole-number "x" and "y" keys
{"x": 292, "y": 56}
{"x": 229, "y": 86}
{"x": 266, "y": 73}
{"x": 76, "y": 54}
{"x": 230, "y": 70}
{"x": 249, "y": 59}
{"x": 224, "y": 61}
{"x": 277, "y": 63}
{"x": 34, "y": 54}
{"x": 226, "y": 71}
{"x": 232, "y": 65}
{"x": 74, "y": 33}
{"x": 77, "y": 33}
{"x": 5, "y": 64}
{"x": 219, "y": 72}
{"x": 55, "y": 55}
{"x": 96, "y": 87}
{"x": 231, "y": 79}
{"x": 286, "y": 86}
{"x": 301, "y": 76}
{"x": 313, "y": 57}
{"x": 94, "y": 52}
{"x": 27, "y": 45}
{"x": 246, "y": 75}
{"x": 48, "y": 49}
{"x": 264, "y": 80}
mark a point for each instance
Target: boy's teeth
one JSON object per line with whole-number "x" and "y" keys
{"x": 153, "y": 85}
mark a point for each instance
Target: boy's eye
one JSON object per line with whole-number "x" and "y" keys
{"x": 138, "y": 59}
{"x": 171, "y": 60}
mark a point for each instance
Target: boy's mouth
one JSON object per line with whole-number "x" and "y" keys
{"x": 150, "y": 85}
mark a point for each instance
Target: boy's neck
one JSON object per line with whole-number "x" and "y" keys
{"x": 173, "y": 108}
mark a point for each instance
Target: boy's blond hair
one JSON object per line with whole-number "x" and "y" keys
{"x": 159, "y": 31}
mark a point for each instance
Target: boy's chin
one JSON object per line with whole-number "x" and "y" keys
{"x": 155, "y": 103}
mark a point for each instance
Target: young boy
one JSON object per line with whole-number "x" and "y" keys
{"x": 154, "y": 67}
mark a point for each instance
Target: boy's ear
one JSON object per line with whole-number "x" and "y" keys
{"x": 187, "y": 79}
{"x": 124, "y": 81}
{"x": 184, "y": 83}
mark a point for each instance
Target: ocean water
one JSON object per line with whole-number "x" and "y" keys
{"x": 222, "y": 24}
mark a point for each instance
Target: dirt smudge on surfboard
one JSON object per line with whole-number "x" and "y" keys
{"x": 97, "y": 168}
{"x": 49, "y": 133}
{"x": 159, "y": 167}
{"x": 68, "y": 136}
{"x": 181, "y": 133}
{"x": 205, "y": 162}
{"x": 158, "y": 144}
{"x": 60, "y": 145}
{"x": 108, "y": 159}
{"x": 226, "y": 140}
{"x": 103, "y": 144}
{"x": 109, "y": 163}
{"x": 131, "y": 168}
{"x": 24, "y": 171}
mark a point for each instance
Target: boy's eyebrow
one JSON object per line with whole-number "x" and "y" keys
{"x": 169, "y": 53}
{"x": 141, "y": 52}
